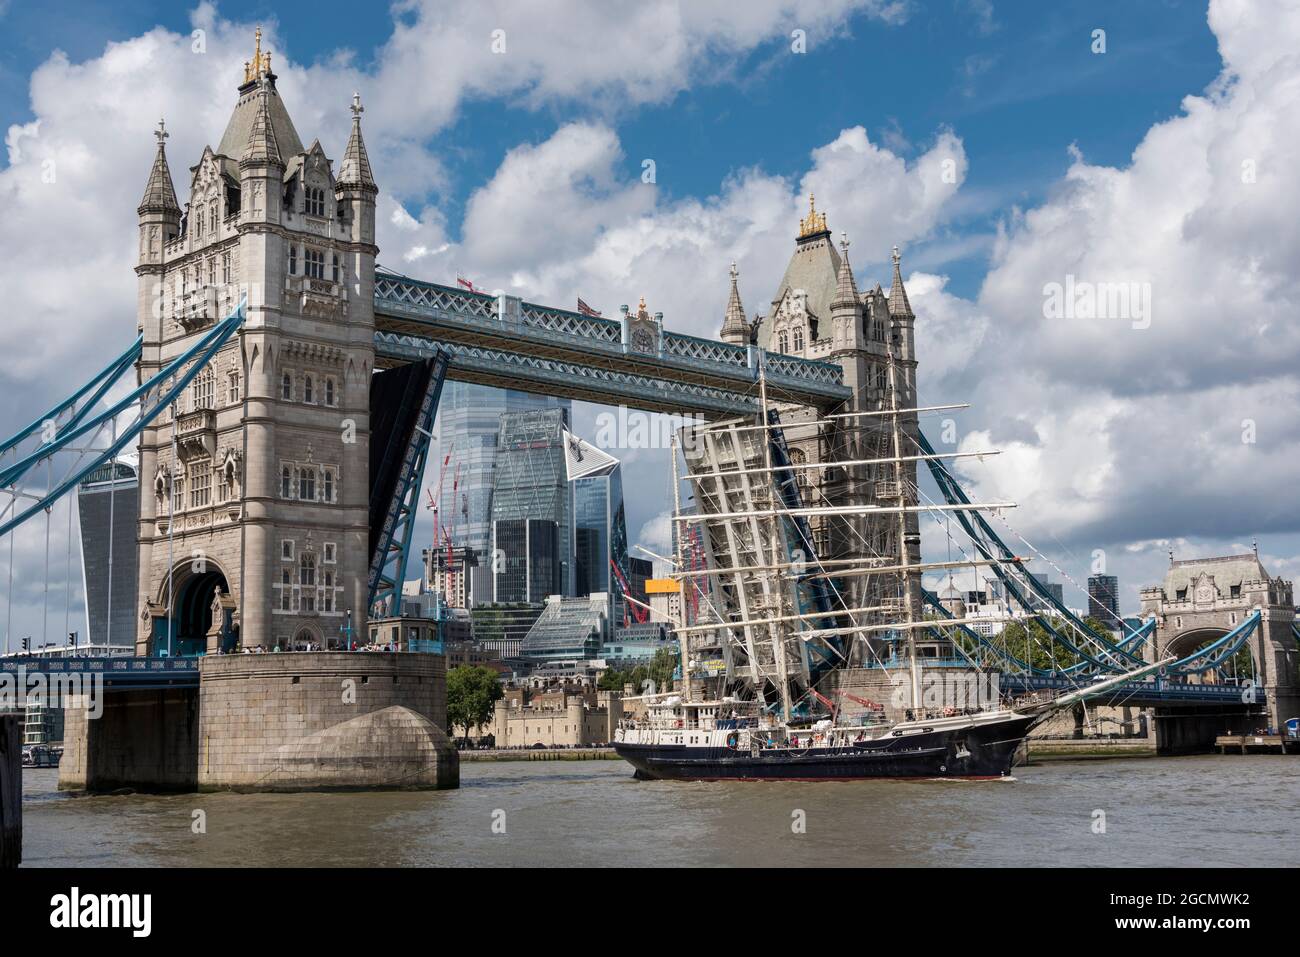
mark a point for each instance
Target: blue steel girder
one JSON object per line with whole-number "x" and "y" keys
{"x": 388, "y": 564}
{"x": 588, "y": 383}
{"x": 1144, "y": 692}
{"x": 1110, "y": 656}
{"x": 508, "y": 342}
{"x": 119, "y": 672}
{"x": 152, "y": 396}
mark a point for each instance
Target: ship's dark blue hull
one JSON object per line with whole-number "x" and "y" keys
{"x": 971, "y": 752}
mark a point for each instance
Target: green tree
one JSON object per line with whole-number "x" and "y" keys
{"x": 611, "y": 679}
{"x": 659, "y": 670}
{"x": 472, "y": 693}
{"x": 1030, "y": 642}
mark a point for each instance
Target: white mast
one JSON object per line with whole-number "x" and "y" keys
{"x": 683, "y": 638}
{"x": 908, "y": 597}
{"x": 774, "y": 628}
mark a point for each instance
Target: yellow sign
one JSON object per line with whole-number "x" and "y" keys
{"x": 662, "y": 586}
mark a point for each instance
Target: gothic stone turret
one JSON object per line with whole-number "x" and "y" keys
{"x": 1201, "y": 599}
{"x": 256, "y": 488}
{"x": 819, "y": 313}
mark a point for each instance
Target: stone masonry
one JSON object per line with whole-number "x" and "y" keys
{"x": 320, "y": 721}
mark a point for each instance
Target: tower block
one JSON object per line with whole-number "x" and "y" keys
{"x": 254, "y": 528}
{"x": 819, "y": 313}
{"x": 254, "y": 491}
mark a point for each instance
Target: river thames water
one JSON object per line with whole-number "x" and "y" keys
{"x": 1193, "y": 811}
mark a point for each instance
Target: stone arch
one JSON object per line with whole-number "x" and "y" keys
{"x": 307, "y": 633}
{"x": 202, "y": 610}
{"x": 1242, "y": 665}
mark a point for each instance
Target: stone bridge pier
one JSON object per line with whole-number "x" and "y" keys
{"x": 272, "y": 722}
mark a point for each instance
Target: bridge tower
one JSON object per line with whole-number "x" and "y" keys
{"x": 254, "y": 490}
{"x": 1203, "y": 599}
{"x": 819, "y": 313}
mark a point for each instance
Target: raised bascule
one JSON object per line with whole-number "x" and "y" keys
{"x": 284, "y": 389}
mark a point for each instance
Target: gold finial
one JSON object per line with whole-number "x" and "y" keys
{"x": 815, "y": 223}
{"x": 261, "y": 62}
{"x": 641, "y": 310}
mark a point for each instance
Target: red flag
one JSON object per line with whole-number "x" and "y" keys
{"x": 586, "y": 310}
{"x": 462, "y": 281}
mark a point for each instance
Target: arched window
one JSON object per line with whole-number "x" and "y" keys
{"x": 286, "y": 483}
{"x": 286, "y": 387}
{"x": 315, "y": 201}
{"x": 314, "y": 263}
{"x": 329, "y": 391}
{"x": 336, "y": 267}
{"x": 306, "y": 388}
{"x": 798, "y": 339}
{"x": 782, "y": 341}
{"x": 203, "y": 389}
{"x": 798, "y": 457}
{"x": 307, "y": 583}
{"x": 307, "y": 484}
{"x": 293, "y": 259}
{"x": 307, "y": 570}
{"x": 286, "y": 590}
{"x": 327, "y": 597}
{"x": 327, "y": 480}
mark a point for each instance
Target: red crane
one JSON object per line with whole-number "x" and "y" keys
{"x": 637, "y": 612}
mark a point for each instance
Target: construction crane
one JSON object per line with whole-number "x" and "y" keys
{"x": 432, "y": 505}
{"x": 637, "y": 612}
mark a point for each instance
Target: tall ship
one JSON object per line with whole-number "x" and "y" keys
{"x": 771, "y": 634}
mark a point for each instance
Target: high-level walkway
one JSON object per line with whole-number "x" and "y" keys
{"x": 508, "y": 342}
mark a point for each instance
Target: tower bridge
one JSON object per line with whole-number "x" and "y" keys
{"x": 287, "y": 387}
{"x": 507, "y": 342}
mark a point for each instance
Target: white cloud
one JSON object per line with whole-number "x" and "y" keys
{"x": 1114, "y": 434}
{"x": 570, "y": 217}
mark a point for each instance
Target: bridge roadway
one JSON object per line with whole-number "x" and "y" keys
{"x": 507, "y": 342}
{"x": 120, "y": 672}
{"x": 129, "y": 673}
{"x": 1140, "y": 694}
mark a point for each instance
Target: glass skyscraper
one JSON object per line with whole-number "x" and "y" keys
{"x": 469, "y": 418}
{"x": 599, "y": 524}
{"x": 532, "y": 524}
{"x": 108, "y": 507}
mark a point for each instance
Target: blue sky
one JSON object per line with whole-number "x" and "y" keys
{"x": 1019, "y": 84}
{"x": 522, "y": 171}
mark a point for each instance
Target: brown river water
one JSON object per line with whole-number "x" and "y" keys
{"x": 1193, "y": 811}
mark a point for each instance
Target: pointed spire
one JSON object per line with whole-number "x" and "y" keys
{"x": 846, "y": 289}
{"x": 815, "y": 223}
{"x": 159, "y": 194}
{"x": 734, "y": 327}
{"x": 262, "y": 146}
{"x": 355, "y": 170}
{"x": 898, "y": 304}
{"x": 260, "y": 65}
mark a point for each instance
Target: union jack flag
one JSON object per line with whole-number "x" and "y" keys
{"x": 586, "y": 310}
{"x": 462, "y": 281}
